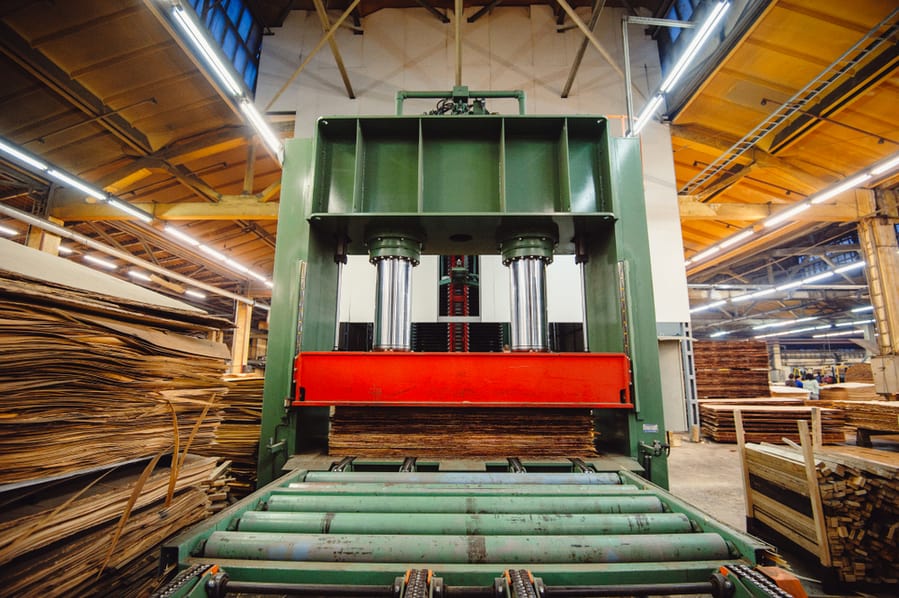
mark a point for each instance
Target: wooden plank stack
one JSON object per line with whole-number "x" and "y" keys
{"x": 767, "y": 423}
{"x": 858, "y": 490}
{"x": 461, "y": 433}
{"x": 731, "y": 369}
{"x": 237, "y": 437}
{"x": 882, "y": 416}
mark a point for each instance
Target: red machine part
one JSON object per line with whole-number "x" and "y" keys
{"x": 576, "y": 380}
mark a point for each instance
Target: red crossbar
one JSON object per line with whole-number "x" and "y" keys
{"x": 396, "y": 379}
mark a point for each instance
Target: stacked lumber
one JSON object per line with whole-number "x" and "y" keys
{"x": 856, "y": 492}
{"x": 118, "y": 379}
{"x": 462, "y": 433}
{"x": 237, "y": 437}
{"x": 767, "y": 423}
{"x": 773, "y": 400}
{"x": 848, "y": 391}
{"x": 871, "y": 415}
{"x": 731, "y": 369}
{"x": 859, "y": 372}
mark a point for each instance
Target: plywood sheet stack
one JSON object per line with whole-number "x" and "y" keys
{"x": 882, "y": 416}
{"x": 767, "y": 423}
{"x": 461, "y": 433}
{"x": 859, "y": 372}
{"x": 93, "y": 387}
{"x": 237, "y": 437}
{"x": 848, "y": 391}
{"x": 857, "y": 491}
{"x": 731, "y": 369}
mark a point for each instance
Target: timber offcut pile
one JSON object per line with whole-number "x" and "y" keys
{"x": 871, "y": 415}
{"x": 731, "y": 369}
{"x": 461, "y": 433}
{"x": 855, "y": 492}
{"x": 117, "y": 379}
{"x": 767, "y": 423}
{"x": 237, "y": 437}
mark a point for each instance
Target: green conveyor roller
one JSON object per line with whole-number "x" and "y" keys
{"x": 433, "y": 549}
{"x": 411, "y": 489}
{"x": 463, "y": 524}
{"x": 464, "y": 477}
{"x": 466, "y": 504}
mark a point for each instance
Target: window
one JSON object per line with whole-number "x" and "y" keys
{"x": 233, "y": 27}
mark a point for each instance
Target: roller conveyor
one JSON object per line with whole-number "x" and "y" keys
{"x": 372, "y": 527}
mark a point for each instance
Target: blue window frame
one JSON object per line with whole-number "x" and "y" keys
{"x": 232, "y": 25}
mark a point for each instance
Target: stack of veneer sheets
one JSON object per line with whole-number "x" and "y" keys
{"x": 461, "y": 432}
{"x": 767, "y": 422}
{"x": 96, "y": 390}
{"x": 859, "y": 372}
{"x": 848, "y": 391}
{"x": 882, "y": 416}
{"x": 237, "y": 437}
{"x": 731, "y": 369}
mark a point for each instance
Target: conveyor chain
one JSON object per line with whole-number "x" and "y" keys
{"x": 519, "y": 583}
{"x": 758, "y": 581}
{"x": 418, "y": 583}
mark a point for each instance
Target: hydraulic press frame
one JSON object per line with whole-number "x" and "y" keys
{"x": 464, "y": 184}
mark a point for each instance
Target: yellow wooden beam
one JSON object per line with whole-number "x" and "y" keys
{"x": 230, "y": 209}
{"x": 691, "y": 209}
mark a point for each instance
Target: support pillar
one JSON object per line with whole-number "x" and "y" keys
{"x": 394, "y": 254}
{"x": 240, "y": 345}
{"x": 526, "y": 255}
{"x": 877, "y": 235}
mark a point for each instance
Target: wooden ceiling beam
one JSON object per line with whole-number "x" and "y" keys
{"x": 691, "y": 209}
{"x": 223, "y": 210}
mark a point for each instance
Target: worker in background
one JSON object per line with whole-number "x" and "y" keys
{"x": 812, "y": 385}
{"x": 791, "y": 380}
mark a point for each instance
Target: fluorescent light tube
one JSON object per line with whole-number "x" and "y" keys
{"x": 100, "y": 262}
{"x": 862, "y": 309}
{"x": 786, "y": 214}
{"x": 707, "y": 306}
{"x": 886, "y": 166}
{"x": 65, "y": 250}
{"x": 212, "y": 252}
{"x": 790, "y": 285}
{"x": 844, "y": 186}
{"x": 719, "y": 333}
{"x": 206, "y": 51}
{"x": 817, "y": 277}
{"x": 271, "y": 140}
{"x": 11, "y": 232}
{"x": 181, "y": 236}
{"x": 22, "y": 156}
{"x": 269, "y": 284}
{"x": 736, "y": 238}
{"x": 73, "y": 182}
{"x": 708, "y": 252}
{"x": 129, "y": 209}
{"x": 844, "y": 333}
{"x": 848, "y": 267}
{"x": 647, "y": 113}
{"x": 704, "y": 32}
{"x": 139, "y": 275}
{"x": 196, "y": 294}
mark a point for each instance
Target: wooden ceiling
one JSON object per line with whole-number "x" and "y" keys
{"x": 102, "y": 89}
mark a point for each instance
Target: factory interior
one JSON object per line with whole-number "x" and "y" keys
{"x": 449, "y": 298}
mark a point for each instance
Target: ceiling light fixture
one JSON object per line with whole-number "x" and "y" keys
{"x": 181, "y": 236}
{"x": 708, "y": 306}
{"x": 784, "y": 323}
{"x": 207, "y": 52}
{"x": 850, "y": 267}
{"x": 100, "y": 262}
{"x": 130, "y": 209}
{"x": 844, "y": 186}
{"x": 647, "y": 113}
{"x": 720, "y": 333}
{"x": 785, "y": 215}
{"x": 703, "y": 34}
{"x": 22, "y": 156}
{"x": 886, "y": 166}
{"x": 269, "y": 138}
{"x": 10, "y": 232}
{"x": 139, "y": 275}
{"x": 843, "y": 333}
{"x": 862, "y": 309}
{"x": 65, "y": 249}
{"x": 195, "y": 294}
{"x": 817, "y": 277}
{"x": 71, "y": 181}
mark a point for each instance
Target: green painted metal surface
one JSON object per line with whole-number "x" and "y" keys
{"x": 466, "y": 477}
{"x": 426, "y": 489}
{"x": 503, "y": 550}
{"x": 464, "y": 524}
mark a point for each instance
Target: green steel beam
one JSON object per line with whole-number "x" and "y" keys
{"x": 424, "y": 489}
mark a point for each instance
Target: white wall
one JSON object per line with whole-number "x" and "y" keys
{"x": 513, "y": 48}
